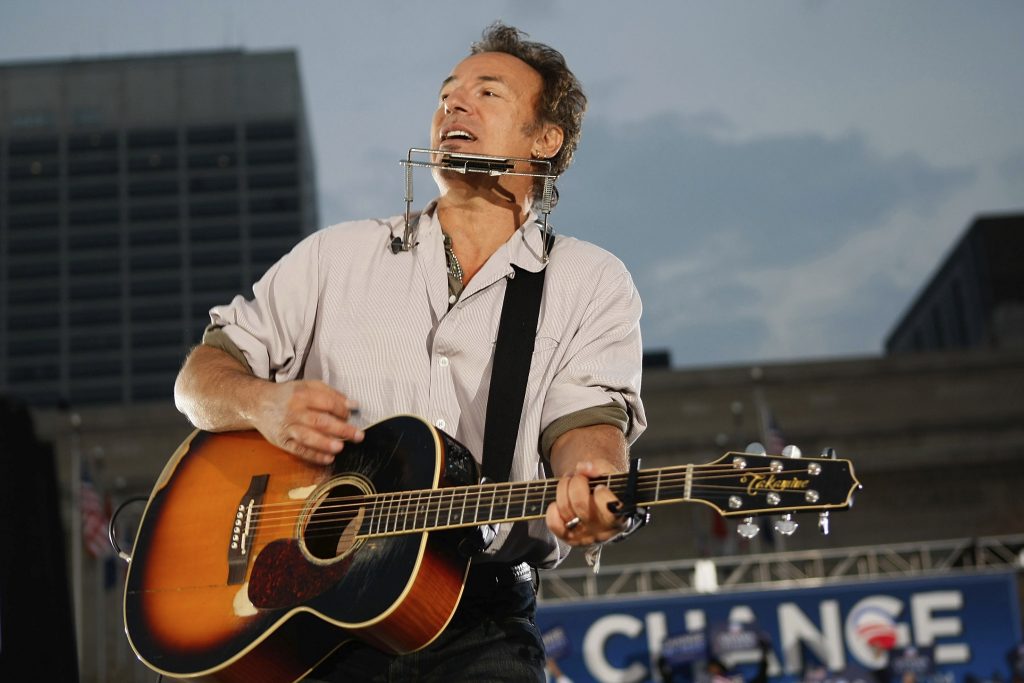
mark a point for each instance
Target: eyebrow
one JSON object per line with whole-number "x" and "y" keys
{"x": 480, "y": 79}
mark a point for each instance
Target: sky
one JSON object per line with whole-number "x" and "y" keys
{"x": 781, "y": 178}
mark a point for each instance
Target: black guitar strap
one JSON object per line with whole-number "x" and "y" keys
{"x": 513, "y": 352}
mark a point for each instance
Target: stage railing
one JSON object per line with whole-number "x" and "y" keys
{"x": 804, "y": 568}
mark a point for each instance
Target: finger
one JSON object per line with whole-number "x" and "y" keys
{"x": 323, "y": 397}
{"x": 579, "y": 495}
{"x": 555, "y": 523}
{"x": 331, "y": 426}
{"x": 562, "y": 500}
{"x": 606, "y": 524}
{"x": 307, "y": 454}
{"x": 312, "y": 445}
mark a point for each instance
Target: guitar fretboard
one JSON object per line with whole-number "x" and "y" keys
{"x": 762, "y": 484}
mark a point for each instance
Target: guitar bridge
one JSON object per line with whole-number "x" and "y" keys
{"x": 243, "y": 529}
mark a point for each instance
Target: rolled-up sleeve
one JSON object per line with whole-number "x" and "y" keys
{"x": 273, "y": 330}
{"x": 603, "y": 360}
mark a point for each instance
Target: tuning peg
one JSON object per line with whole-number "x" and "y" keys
{"x": 747, "y": 528}
{"x": 786, "y": 526}
{"x": 792, "y": 451}
{"x": 823, "y": 521}
{"x": 828, "y": 453}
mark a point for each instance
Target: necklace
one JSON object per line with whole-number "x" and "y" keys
{"x": 454, "y": 267}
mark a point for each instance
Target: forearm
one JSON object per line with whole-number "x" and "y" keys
{"x": 216, "y": 392}
{"x": 589, "y": 444}
{"x": 581, "y": 515}
{"x": 307, "y": 418}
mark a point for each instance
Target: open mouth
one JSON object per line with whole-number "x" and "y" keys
{"x": 457, "y": 135}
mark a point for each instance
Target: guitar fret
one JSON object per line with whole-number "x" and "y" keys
{"x": 400, "y": 511}
{"x": 526, "y": 499}
{"x": 689, "y": 482}
{"x": 657, "y": 488}
{"x": 385, "y": 511}
{"x": 494, "y": 498}
{"x": 418, "y": 509}
{"x": 403, "y": 517}
{"x": 392, "y": 524}
{"x": 374, "y": 514}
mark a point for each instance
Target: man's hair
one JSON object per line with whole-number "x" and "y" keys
{"x": 561, "y": 102}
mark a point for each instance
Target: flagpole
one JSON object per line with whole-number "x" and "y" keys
{"x": 778, "y": 541}
{"x": 100, "y": 603}
{"x": 76, "y": 528}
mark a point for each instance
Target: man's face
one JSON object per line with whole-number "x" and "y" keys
{"x": 487, "y": 106}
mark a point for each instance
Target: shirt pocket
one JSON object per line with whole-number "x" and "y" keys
{"x": 542, "y": 366}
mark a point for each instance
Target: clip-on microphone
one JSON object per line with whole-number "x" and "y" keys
{"x": 459, "y": 162}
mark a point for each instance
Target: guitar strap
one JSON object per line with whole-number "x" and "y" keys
{"x": 513, "y": 352}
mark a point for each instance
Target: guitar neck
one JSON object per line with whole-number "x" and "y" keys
{"x": 738, "y": 484}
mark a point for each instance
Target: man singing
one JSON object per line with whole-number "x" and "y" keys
{"x": 345, "y": 331}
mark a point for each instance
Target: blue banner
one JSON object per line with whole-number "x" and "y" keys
{"x": 942, "y": 629}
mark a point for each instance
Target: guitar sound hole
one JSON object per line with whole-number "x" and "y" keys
{"x": 332, "y": 529}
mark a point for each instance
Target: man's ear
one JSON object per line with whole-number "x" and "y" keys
{"x": 549, "y": 141}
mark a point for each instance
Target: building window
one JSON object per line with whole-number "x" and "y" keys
{"x": 151, "y": 162}
{"x": 93, "y": 141}
{"x": 204, "y": 135}
{"x": 155, "y": 137}
{"x": 266, "y": 157}
{"x": 92, "y": 191}
{"x": 270, "y": 130}
{"x": 150, "y": 188}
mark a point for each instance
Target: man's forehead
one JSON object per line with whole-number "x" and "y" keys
{"x": 492, "y": 66}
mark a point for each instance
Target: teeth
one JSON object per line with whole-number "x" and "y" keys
{"x": 457, "y": 134}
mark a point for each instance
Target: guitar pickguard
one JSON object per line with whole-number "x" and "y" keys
{"x": 282, "y": 577}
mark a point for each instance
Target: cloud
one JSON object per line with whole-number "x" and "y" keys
{"x": 1011, "y": 168}
{"x": 736, "y": 244}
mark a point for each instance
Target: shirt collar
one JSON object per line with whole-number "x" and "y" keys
{"x": 524, "y": 249}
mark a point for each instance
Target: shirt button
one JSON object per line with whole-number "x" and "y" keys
{"x": 443, "y": 361}
{"x": 452, "y": 299}
{"x": 440, "y": 424}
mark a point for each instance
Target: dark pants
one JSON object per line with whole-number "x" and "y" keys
{"x": 492, "y": 637}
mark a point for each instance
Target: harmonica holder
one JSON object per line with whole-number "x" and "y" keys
{"x": 457, "y": 162}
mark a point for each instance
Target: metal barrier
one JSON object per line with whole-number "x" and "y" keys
{"x": 804, "y": 568}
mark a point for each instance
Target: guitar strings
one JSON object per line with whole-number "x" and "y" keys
{"x": 395, "y": 511}
{"x": 487, "y": 494}
{"x": 490, "y": 491}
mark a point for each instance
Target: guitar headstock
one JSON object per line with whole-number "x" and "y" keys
{"x": 749, "y": 484}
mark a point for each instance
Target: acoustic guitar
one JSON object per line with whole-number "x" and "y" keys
{"x": 252, "y": 565}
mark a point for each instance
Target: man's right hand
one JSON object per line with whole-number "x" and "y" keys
{"x": 307, "y": 418}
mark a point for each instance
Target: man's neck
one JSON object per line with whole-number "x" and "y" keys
{"x": 479, "y": 225}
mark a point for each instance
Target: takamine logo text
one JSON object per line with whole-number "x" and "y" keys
{"x": 760, "y": 482}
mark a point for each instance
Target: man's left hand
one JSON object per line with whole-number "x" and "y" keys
{"x": 581, "y": 515}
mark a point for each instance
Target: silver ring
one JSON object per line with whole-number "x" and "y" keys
{"x": 572, "y": 523}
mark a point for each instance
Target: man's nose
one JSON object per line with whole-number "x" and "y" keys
{"x": 455, "y": 102}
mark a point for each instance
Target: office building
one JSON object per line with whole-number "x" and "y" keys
{"x": 976, "y": 296}
{"x": 135, "y": 193}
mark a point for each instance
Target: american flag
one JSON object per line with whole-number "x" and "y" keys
{"x": 94, "y": 517}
